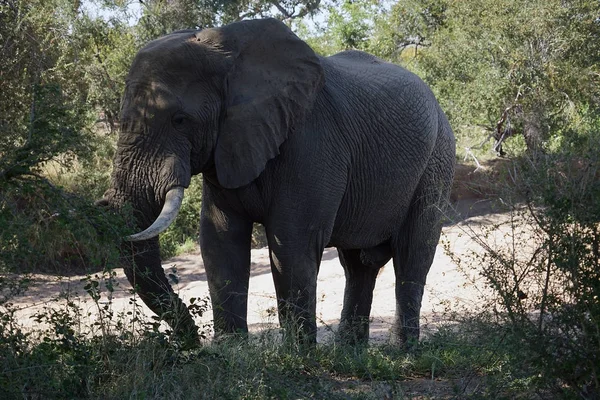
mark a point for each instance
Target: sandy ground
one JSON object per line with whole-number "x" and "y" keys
{"x": 448, "y": 288}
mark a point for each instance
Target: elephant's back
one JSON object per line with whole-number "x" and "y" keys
{"x": 361, "y": 67}
{"x": 382, "y": 99}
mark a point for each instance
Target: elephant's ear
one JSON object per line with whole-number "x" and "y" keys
{"x": 269, "y": 90}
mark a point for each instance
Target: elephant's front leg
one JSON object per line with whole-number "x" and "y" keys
{"x": 225, "y": 244}
{"x": 295, "y": 264}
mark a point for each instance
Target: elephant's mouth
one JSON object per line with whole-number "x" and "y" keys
{"x": 167, "y": 215}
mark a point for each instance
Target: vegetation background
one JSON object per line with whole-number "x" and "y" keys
{"x": 519, "y": 80}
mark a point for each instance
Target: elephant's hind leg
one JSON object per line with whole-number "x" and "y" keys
{"x": 358, "y": 294}
{"x": 414, "y": 250}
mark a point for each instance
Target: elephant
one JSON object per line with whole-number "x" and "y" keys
{"x": 345, "y": 151}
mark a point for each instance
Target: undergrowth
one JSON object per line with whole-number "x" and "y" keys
{"x": 541, "y": 264}
{"x": 128, "y": 356}
{"x": 72, "y": 352}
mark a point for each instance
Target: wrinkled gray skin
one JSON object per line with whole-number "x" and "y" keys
{"x": 345, "y": 151}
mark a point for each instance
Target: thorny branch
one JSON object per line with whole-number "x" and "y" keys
{"x": 500, "y": 133}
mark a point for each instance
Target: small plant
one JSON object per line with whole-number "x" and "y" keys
{"x": 184, "y": 230}
{"x": 542, "y": 265}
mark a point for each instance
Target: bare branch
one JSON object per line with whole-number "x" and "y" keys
{"x": 281, "y": 9}
{"x": 470, "y": 153}
{"x": 31, "y": 118}
{"x": 308, "y": 8}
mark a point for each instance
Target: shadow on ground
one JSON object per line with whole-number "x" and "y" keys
{"x": 447, "y": 285}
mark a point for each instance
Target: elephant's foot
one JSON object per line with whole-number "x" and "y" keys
{"x": 353, "y": 332}
{"x": 298, "y": 330}
{"x": 405, "y": 333}
{"x": 238, "y": 335}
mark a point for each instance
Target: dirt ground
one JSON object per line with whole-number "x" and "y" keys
{"x": 450, "y": 288}
{"x": 447, "y": 289}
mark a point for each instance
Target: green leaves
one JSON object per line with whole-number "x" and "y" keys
{"x": 490, "y": 55}
{"x": 42, "y": 115}
{"x": 482, "y": 57}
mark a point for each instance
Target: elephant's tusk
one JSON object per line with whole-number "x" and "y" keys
{"x": 167, "y": 215}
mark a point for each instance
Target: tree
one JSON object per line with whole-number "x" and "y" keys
{"x": 515, "y": 66}
{"x": 47, "y": 114}
{"x": 408, "y": 24}
{"x": 160, "y": 17}
{"x": 348, "y": 25}
{"x": 42, "y": 111}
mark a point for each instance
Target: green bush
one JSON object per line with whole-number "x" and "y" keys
{"x": 543, "y": 266}
{"x": 43, "y": 228}
{"x": 185, "y": 228}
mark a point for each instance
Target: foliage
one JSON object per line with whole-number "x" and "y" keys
{"x": 543, "y": 267}
{"x": 159, "y": 17}
{"x": 105, "y": 52}
{"x": 117, "y": 356}
{"x": 44, "y": 229}
{"x": 186, "y": 225}
{"x": 45, "y": 120}
{"x": 42, "y": 113}
{"x": 536, "y": 61}
{"x": 408, "y": 25}
{"x": 348, "y": 25}
{"x": 65, "y": 357}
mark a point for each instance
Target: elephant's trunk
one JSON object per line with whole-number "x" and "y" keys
{"x": 167, "y": 215}
{"x": 141, "y": 259}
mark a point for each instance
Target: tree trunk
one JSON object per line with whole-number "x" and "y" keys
{"x": 534, "y": 128}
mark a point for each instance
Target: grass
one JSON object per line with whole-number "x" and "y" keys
{"x": 482, "y": 356}
{"x": 252, "y": 369}
{"x": 61, "y": 357}
{"x": 188, "y": 246}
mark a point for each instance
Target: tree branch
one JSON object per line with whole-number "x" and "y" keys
{"x": 31, "y": 117}
{"x": 308, "y": 8}
{"x": 281, "y": 9}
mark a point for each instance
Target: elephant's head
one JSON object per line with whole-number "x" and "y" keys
{"x": 219, "y": 100}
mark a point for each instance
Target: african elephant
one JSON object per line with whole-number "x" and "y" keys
{"x": 346, "y": 151}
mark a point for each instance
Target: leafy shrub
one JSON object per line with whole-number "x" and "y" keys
{"x": 185, "y": 227}
{"x": 42, "y": 228}
{"x": 66, "y": 356}
{"x": 543, "y": 266}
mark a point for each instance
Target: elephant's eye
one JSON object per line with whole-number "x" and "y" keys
{"x": 179, "y": 120}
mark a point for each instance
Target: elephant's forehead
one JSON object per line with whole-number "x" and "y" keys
{"x": 148, "y": 96}
{"x": 167, "y": 48}
{"x": 158, "y": 93}
{"x": 163, "y": 82}
{"x": 171, "y": 71}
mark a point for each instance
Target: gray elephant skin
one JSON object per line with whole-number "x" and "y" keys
{"x": 345, "y": 151}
